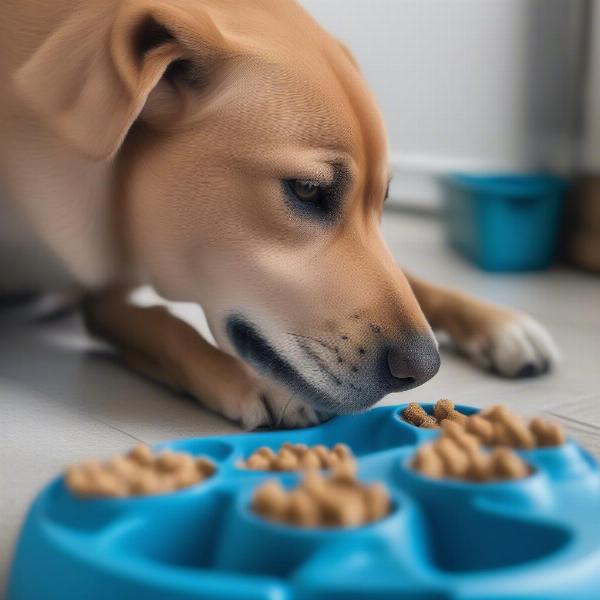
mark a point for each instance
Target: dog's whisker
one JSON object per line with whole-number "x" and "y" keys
{"x": 317, "y": 340}
{"x": 320, "y": 362}
{"x": 282, "y": 413}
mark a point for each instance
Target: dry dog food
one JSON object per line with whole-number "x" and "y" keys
{"x": 497, "y": 426}
{"x": 139, "y": 473}
{"x": 494, "y": 426}
{"x": 457, "y": 454}
{"x": 443, "y": 410}
{"x": 416, "y": 415}
{"x": 339, "y": 500}
{"x": 296, "y": 457}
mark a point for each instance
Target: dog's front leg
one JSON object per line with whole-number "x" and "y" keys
{"x": 164, "y": 348}
{"x": 502, "y": 340}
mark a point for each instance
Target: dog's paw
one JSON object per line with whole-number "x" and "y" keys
{"x": 512, "y": 345}
{"x": 263, "y": 405}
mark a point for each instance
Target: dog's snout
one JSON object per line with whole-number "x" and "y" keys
{"x": 413, "y": 363}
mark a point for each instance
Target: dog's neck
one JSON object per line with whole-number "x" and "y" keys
{"x": 69, "y": 205}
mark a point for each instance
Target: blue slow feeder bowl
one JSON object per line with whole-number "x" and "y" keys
{"x": 504, "y": 223}
{"x": 535, "y": 538}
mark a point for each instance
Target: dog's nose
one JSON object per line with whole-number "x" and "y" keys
{"x": 413, "y": 362}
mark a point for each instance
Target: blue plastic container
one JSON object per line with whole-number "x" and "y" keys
{"x": 504, "y": 223}
{"x": 535, "y": 538}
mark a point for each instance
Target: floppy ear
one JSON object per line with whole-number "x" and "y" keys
{"x": 91, "y": 77}
{"x": 348, "y": 54}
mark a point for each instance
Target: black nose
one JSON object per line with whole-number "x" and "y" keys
{"x": 413, "y": 362}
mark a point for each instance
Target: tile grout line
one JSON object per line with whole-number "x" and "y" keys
{"x": 78, "y": 410}
{"x": 572, "y": 420}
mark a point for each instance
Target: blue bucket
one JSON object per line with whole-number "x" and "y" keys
{"x": 505, "y": 222}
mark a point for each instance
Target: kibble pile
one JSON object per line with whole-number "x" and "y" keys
{"x": 339, "y": 500}
{"x": 494, "y": 426}
{"x": 296, "y": 457}
{"x": 457, "y": 454}
{"x": 443, "y": 410}
{"x": 139, "y": 473}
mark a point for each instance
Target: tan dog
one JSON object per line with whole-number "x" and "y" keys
{"x": 229, "y": 154}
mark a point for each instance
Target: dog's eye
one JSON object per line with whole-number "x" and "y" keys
{"x": 312, "y": 200}
{"x": 305, "y": 191}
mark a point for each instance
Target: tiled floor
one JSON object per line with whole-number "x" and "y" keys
{"x": 62, "y": 399}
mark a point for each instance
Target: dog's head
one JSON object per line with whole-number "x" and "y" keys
{"x": 253, "y": 171}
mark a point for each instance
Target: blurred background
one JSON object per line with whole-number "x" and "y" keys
{"x": 505, "y": 90}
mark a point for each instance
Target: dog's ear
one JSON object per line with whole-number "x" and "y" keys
{"x": 348, "y": 54}
{"x": 92, "y": 76}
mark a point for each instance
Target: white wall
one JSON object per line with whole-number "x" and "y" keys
{"x": 466, "y": 84}
{"x": 590, "y": 158}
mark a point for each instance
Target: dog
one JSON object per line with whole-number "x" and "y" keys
{"x": 227, "y": 153}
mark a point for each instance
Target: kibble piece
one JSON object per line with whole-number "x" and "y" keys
{"x": 456, "y": 417}
{"x": 342, "y": 507}
{"x": 205, "y": 466}
{"x": 538, "y": 429}
{"x": 481, "y": 428}
{"x": 480, "y": 468}
{"x": 187, "y": 461}
{"x": 343, "y": 451}
{"x": 147, "y": 483}
{"x": 301, "y": 509}
{"x": 266, "y": 452}
{"x": 168, "y": 461}
{"x": 165, "y": 482}
{"x": 77, "y": 480}
{"x": 546, "y": 434}
{"x": 300, "y": 449}
{"x": 554, "y": 436}
{"x": 258, "y": 462}
{"x": 377, "y": 501}
{"x": 442, "y": 409}
{"x": 322, "y": 453}
{"x": 429, "y": 422}
{"x": 122, "y": 467}
{"x": 500, "y": 434}
{"x": 333, "y": 460}
{"x": 286, "y": 461}
{"x": 92, "y": 466}
{"x": 310, "y": 461}
{"x": 110, "y": 485}
{"x": 270, "y": 500}
{"x": 315, "y": 484}
{"x": 353, "y": 507}
{"x": 142, "y": 454}
{"x": 518, "y": 431}
{"x": 186, "y": 478}
{"x": 414, "y": 413}
{"x": 428, "y": 462}
{"x": 456, "y": 461}
{"x": 466, "y": 441}
{"x": 507, "y": 465}
{"x": 345, "y": 472}
{"x": 497, "y": 412}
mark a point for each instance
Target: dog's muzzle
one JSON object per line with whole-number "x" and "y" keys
{"x": 329, "y": 383}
